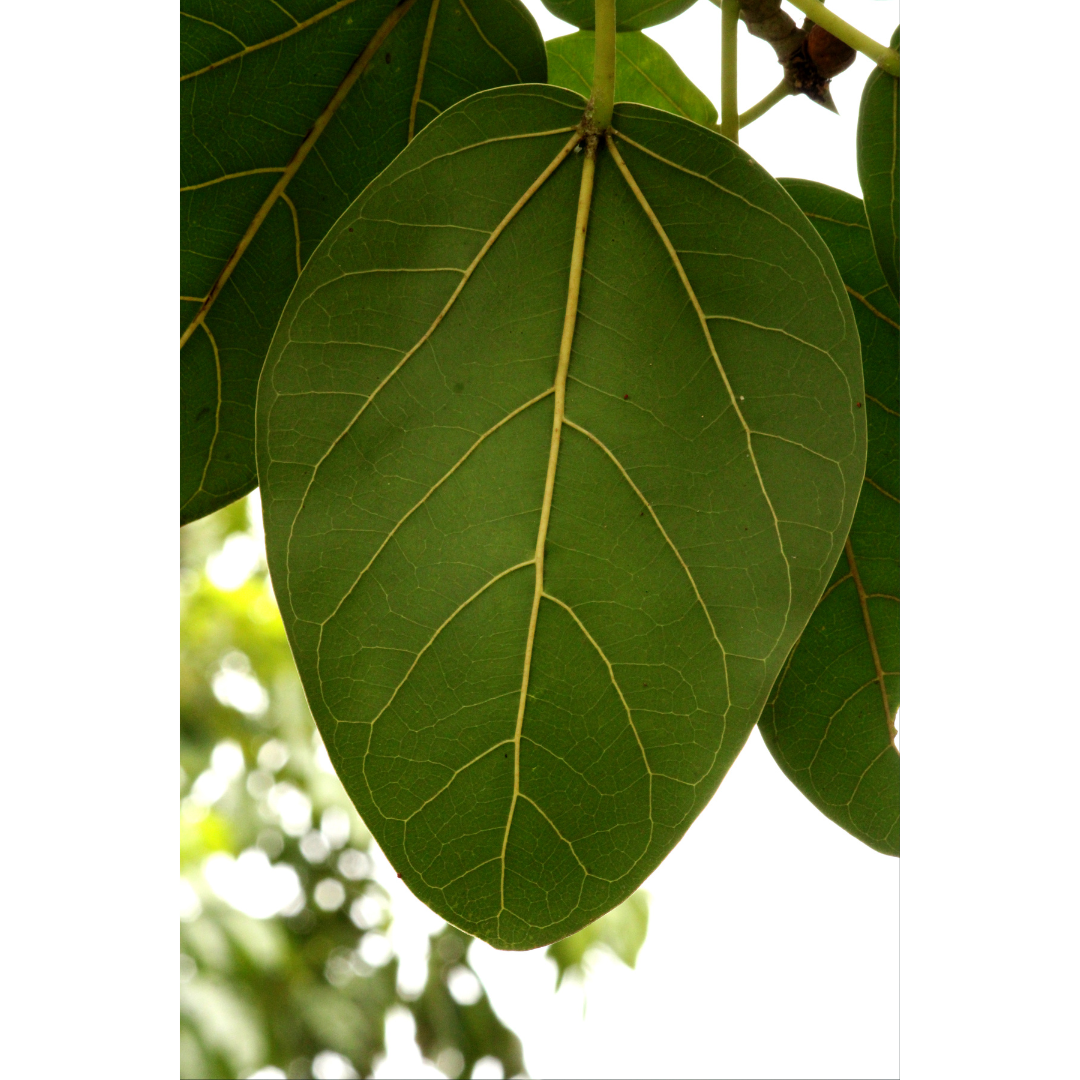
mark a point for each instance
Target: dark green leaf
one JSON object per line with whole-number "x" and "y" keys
{"x": 255, "y": 80}
{"x": 878, "y": 153}
{"x": 621, "y": 932}
{"x": 644, "y": 73}
{"x": 629, "y": 14}
{"x": 830, "y": 722}
{"x": 530, "y": 710}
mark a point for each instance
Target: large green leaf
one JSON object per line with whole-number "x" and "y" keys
{"x": 263, "y": 85}
{"x": 830, "y": 721}
{"x": 644, "y": 73}
{"x": 629, "y": 14}
{"x": 878, "y": 156}
{"x": 538, "y": 600}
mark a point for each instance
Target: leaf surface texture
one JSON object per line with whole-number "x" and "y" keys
{"x": 537, "y": 609}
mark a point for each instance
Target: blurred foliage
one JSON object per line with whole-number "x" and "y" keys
{"x": 294, "y": 975}
{"x": 284, "y": 995}
{"x": 620, "y": 932}
{"x": 454, "y": 1019}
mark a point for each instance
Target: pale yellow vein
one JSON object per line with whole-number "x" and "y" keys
{"x": 296, "y": 229}
{"x": 837, "y": 221}
{"x": 435, "y": 636}
{"x": 872, "y": 638}
{"x": 866, "y": 303}
{"x": 881, "y": 405}
{"x": 795, "y": 442}
{"x": 477, "y": 259}
{"x": 825, "y": 734}
{"x": 734, "y": 194}
{"x": 670, "y": 543}
{"x": 692, "y": 296}
{"x": 577, "y": 259}
{"x": 878, "y": 487}
{"x": 318, "y": 17}
{"x": 473, "y": 146}
{"x": 488, "y": 43}
{"x": 422, "y": 67}
{"x": 456, "y": 773}
{"x": 286, "y": 12}
{"x": 431, "y": 491}
{"x": 233, "y": 176}
{"x": 611, "y": 674}
{"x": 863, "y": 774}
{"x": 555, "y": 829}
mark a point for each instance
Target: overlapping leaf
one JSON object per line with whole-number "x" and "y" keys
{"x": 258, "y": 80}
{"x": 830, "y": 721}
{"x": 537, "y": 609}
{"x": 629, "y": 14}
{"x": 644, "y": 72}
{"x": 878, "y": 156}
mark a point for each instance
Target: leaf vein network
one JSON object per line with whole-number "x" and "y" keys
{"x": 477, "y": 259}
{"x": 456, "y": 773}
{"x": 692, "y": 296}
{"x": 317, "y": 17}
{"x": 727, "y": 191}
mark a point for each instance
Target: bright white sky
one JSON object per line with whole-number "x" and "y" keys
{"x": 773, "y": 940}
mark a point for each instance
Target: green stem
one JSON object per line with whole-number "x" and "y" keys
{"x": 729, "y": 69}
{"x": 765, "y": 104}
{"x": 882, "y": 55}
{"x": 604, "y": 65}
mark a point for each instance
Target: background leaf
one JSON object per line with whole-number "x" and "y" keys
{"x": 644, "y": 73}
{"x": 829, "y": 723}
{"x": 629, "y": 14}
{"x": 709, "y": 464}
{"x": 878, "y": 156}
{"x": 255, "y": 78}
{"x": 621, "y": 932}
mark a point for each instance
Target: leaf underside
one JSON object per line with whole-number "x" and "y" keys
{"x": 829, "y": 723}
{"x": 629, "y": 14}
{"x": 878, "y": 158}
{"x": 255, "y": 77}
{"x": 526, "y": 749}
{"x": 644, "y": 73}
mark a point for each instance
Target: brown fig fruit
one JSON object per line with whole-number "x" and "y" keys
{"x": 827, "y": 53}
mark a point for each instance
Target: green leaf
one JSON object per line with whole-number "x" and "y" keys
{"x": 621, "y": 932}
{"x": 263, "y": 85}
{"x": 644, "y": 73}
{"x": 629, "y": 14}
{"x": 878, "y": 155}
{"x": 830, "y": 722}
{"x": 538, "y": 600}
